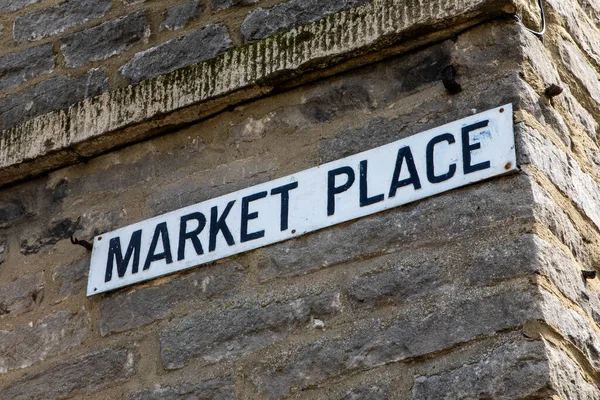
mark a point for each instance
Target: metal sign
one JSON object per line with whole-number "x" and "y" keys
{"x": 454, "y": 155}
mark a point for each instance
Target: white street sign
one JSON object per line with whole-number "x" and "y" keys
{"x": 444, "y": 158}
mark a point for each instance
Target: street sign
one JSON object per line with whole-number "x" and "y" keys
{"x": 457, "y": 154}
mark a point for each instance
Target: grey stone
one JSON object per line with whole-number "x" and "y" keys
{"x": 200, "y": 45}
{"x": 7, "y": 6}
{"x": 83, "y": 375}
{"x": 368, "y": 392}
{"x": 55, "y": 334}
{"x": 397, "y": 284}
{"x": 51, "y": 95}
{"x": 425, "y": 223}
{"x": 233, "y": 332}
{"x": 214, "y": 389}
{"x": 422, "y": 331}
{"x": 566, "y": 376}
{"x": 223, "y": 4}
{"x": 563, "y": 171}
{"x": 577, "y": 63}
{"x": 71, "y": 279}
{"x": 3, "y": 250}
{"x": 105, "y": 40}
{"x": 178, "y": 16}
{"x": 58, "y": 230}
{"x": 262, "y": 23}
{"x": 128, "y": 310}
{"x": 331, "y": 102}
{"x": 192, "y": 186}
{"x": 16, "y": 68}
{"x": 50, "y": 21}
{"x": 11, "y": 212}
{"x": 21, "y": 295}
{"x": 514, "y": 370}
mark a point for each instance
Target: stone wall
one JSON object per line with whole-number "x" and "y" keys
{"x": 474, "y": 293}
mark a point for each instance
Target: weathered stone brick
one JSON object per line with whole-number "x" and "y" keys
{"x": 16, "y": 68}
{"x": 55, "y": 334}
{"x": 51, "y": 95}
{"x": 222, "y": 4}
{"x": 7, "y": 6}
{"x": 200, "y": 45}
{"x": 577, "y": 63}
{"x": 71, "y": 279}
{"x": 83, "y": 375}
{"x": 105, "y": 40}
{"x": 128, "y": 310}
{"x": 58, "y": 230}
{"x": 262, "y": 23}
{"x": 423, "y": 223}
{"x": 514, "y": 370}
{"x": 214, "y": 389}
{"x": 233, "y": 332}
{"x": 11, "y": 211}
{"x": 39, "y": 24}
{"x": 567, "y": 378}
{"x": 417, "y": 333}
{"x": 3, "y": 249}
{"x": 177, "y": 17}
{"x": 21, "y": 295}
{"x": 368, "y": 392}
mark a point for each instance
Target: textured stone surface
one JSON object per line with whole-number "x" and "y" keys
{"x": 419, "y": 224}
{"x": 21, "y": 295}
{"x": 576, "y": 62}
{"x": 233, "y": 332}
{"x": 11, "y": 211}
{"x": 514, "y": 370}
{"x": 16, "y": 68}
{"x": 377, "y": 343}
{"x": 123, "y": 311}
{"x": 51, "y": 95}
{"x": 105, "y": 40}
{"x": 57, "y": 230}
{"x": 200, "y": 45}
{"x": 71, "y": 279}
{"x": 262, "y": 23}
{"x": 567, "y": 378}
{"x": 222, "y": 4}
{"x": 83, "y": 375}
{"x": 46, "y": 22}
{"x": 369, "y": 392}
{"x": 14, "y": 5}
{"x": 178, "y": 16}
{"x": 3, "y": 249}
{"x": 55, "y": 334}
{"x": 214, "y": 389}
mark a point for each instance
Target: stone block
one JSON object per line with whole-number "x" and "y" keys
{"x": 16, "y": 68}
{"x": 51, "y": 21}
{"x": 28, "y": 344}
{"x": 71, "y": 279}
{"x": 178, "y": 16}
{"x": 202, "y": 44}
{"x": 262, "y": 23}
{"x": 32, "y": 242}
{"x": 51, "y": 95}
{"x": 223, "y": 4}
{"x": 214, "y": 389}
{"x": 11, "y": 211}
{"x": 76, "y": 378}
{"x": 368, "y": 392}
{"x": 568, "y": 380}
{"x": 423, "y": 330}
{"x": 7, "y": 6}
{"x": 513, "y": 370}
{"x": 21, "y": 295}
{"x": 575, "y": 61}
{"x": 3, "y": 249}
{"x": 128, "y": 310}
{"x": 105, "y": 40}
{"x": 233, "y": 332}
{"x": 419, "y": 224}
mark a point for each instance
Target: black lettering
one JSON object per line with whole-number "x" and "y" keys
{"x": 332, "y": 190}
{"x": 114, "y": 252}
{"x": 247, "y": 216}
{"x": 404, "y": 154}
{"x": 193, "y": 235}
{"x": 431, "y": 176}
{"x": 285, "y": 202}
{"x": 365, "y": 200}
{"x": 219, "y": 224}
{"x": 161, "y": 232}
{"x": 467, "y": 148}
